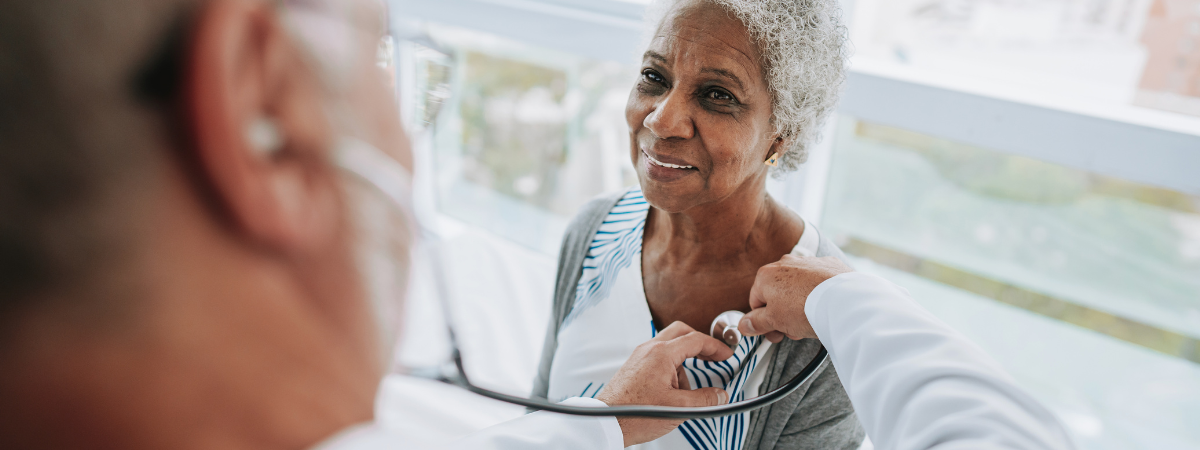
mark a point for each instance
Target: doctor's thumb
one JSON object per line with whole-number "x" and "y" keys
{"x": 704, "y": 397}
{"x": 759, "y": 322}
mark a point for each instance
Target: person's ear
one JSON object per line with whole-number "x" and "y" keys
{"x": 259, "y": 130}
{"x": 779, "y": 147}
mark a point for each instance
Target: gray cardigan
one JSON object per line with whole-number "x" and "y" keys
{"x": 817, "y": 416}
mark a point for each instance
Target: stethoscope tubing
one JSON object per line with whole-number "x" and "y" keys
{"x": 657, "y": 412}
{"x": 459, "y": 378}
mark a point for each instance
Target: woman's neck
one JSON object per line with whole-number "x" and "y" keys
{"x": 739, "y": 225}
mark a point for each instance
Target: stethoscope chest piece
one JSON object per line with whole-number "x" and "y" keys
{"x": 725, "y": 328}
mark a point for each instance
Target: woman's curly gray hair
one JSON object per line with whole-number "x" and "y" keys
{"x": 804, "y": 50}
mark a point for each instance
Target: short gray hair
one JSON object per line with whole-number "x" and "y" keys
{"x": 84, "y": 120}
{"x": 803, "y": 45}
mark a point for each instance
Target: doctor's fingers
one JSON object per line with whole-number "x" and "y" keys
{"x": 702, "y": 397}
{"x": 775, "y": 323}
{"x": 681, "y": 378}
{"x": 777, "y": 304}
{"x": 773, "y": 281}
{"x": 674, "y": 330}
{"x": 757, "y": 296}
{"x": 693, "y": 345}
{"x": 770, "y": 292}
{"x": 765, "y": 326}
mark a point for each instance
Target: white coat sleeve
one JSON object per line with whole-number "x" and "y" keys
{"x": 915, "y": 383}
{"x": 536, "y": 431}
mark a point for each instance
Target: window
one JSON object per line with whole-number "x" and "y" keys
{"x": 1107, "y": 53}
{"x": 1026, "y": 168}
{"x": 533, "y": 134}
{"x": 996, "y": 244}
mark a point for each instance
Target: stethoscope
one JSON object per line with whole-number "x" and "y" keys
{"x": 388, "y": 177}
{"x": 724, "y": 328}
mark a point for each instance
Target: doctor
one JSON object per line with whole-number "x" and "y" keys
{"x": 183, "y": 264}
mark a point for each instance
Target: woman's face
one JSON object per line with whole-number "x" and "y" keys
{"x": 700, "y": 115}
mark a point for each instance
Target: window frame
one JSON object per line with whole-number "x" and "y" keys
{"x": 1137, "y": 144}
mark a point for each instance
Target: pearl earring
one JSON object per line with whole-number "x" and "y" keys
{"x": 264, "y": 136}
{"x": 773, "y": 161}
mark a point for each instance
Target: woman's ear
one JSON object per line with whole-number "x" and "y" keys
{"x": 260, "y": 136}
{"x": 778, "y": 148}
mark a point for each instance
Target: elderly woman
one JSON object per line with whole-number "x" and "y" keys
{"x": 728, "y": 90}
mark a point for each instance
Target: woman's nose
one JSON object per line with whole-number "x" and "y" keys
{"x": 671, "y": 118}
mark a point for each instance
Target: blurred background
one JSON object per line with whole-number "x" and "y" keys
{"x": 1028, "y": 169}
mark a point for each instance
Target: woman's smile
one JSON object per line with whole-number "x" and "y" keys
{"x": 665, "y": 168}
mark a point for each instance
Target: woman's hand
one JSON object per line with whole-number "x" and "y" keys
{"x": 654, "y": 375}
{"x": 780, "y": 291}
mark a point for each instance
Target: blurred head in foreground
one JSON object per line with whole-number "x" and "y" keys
{"x": 179, "y": 263}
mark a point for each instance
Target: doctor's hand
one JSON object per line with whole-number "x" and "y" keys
{"x": 654, "y": 375}
{"x": 780, "y": 292}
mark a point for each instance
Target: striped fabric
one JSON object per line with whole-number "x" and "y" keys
{"x": 617, "y": 242}
{"x": 613, "y": 249}
{"x": 728, "y": 432}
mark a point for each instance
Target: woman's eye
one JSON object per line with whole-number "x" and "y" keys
{"x": 653, "y": 77}
{"x": 719, "y": 95}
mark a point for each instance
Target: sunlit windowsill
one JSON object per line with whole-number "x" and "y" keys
{"x": 1045, "y": 98}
